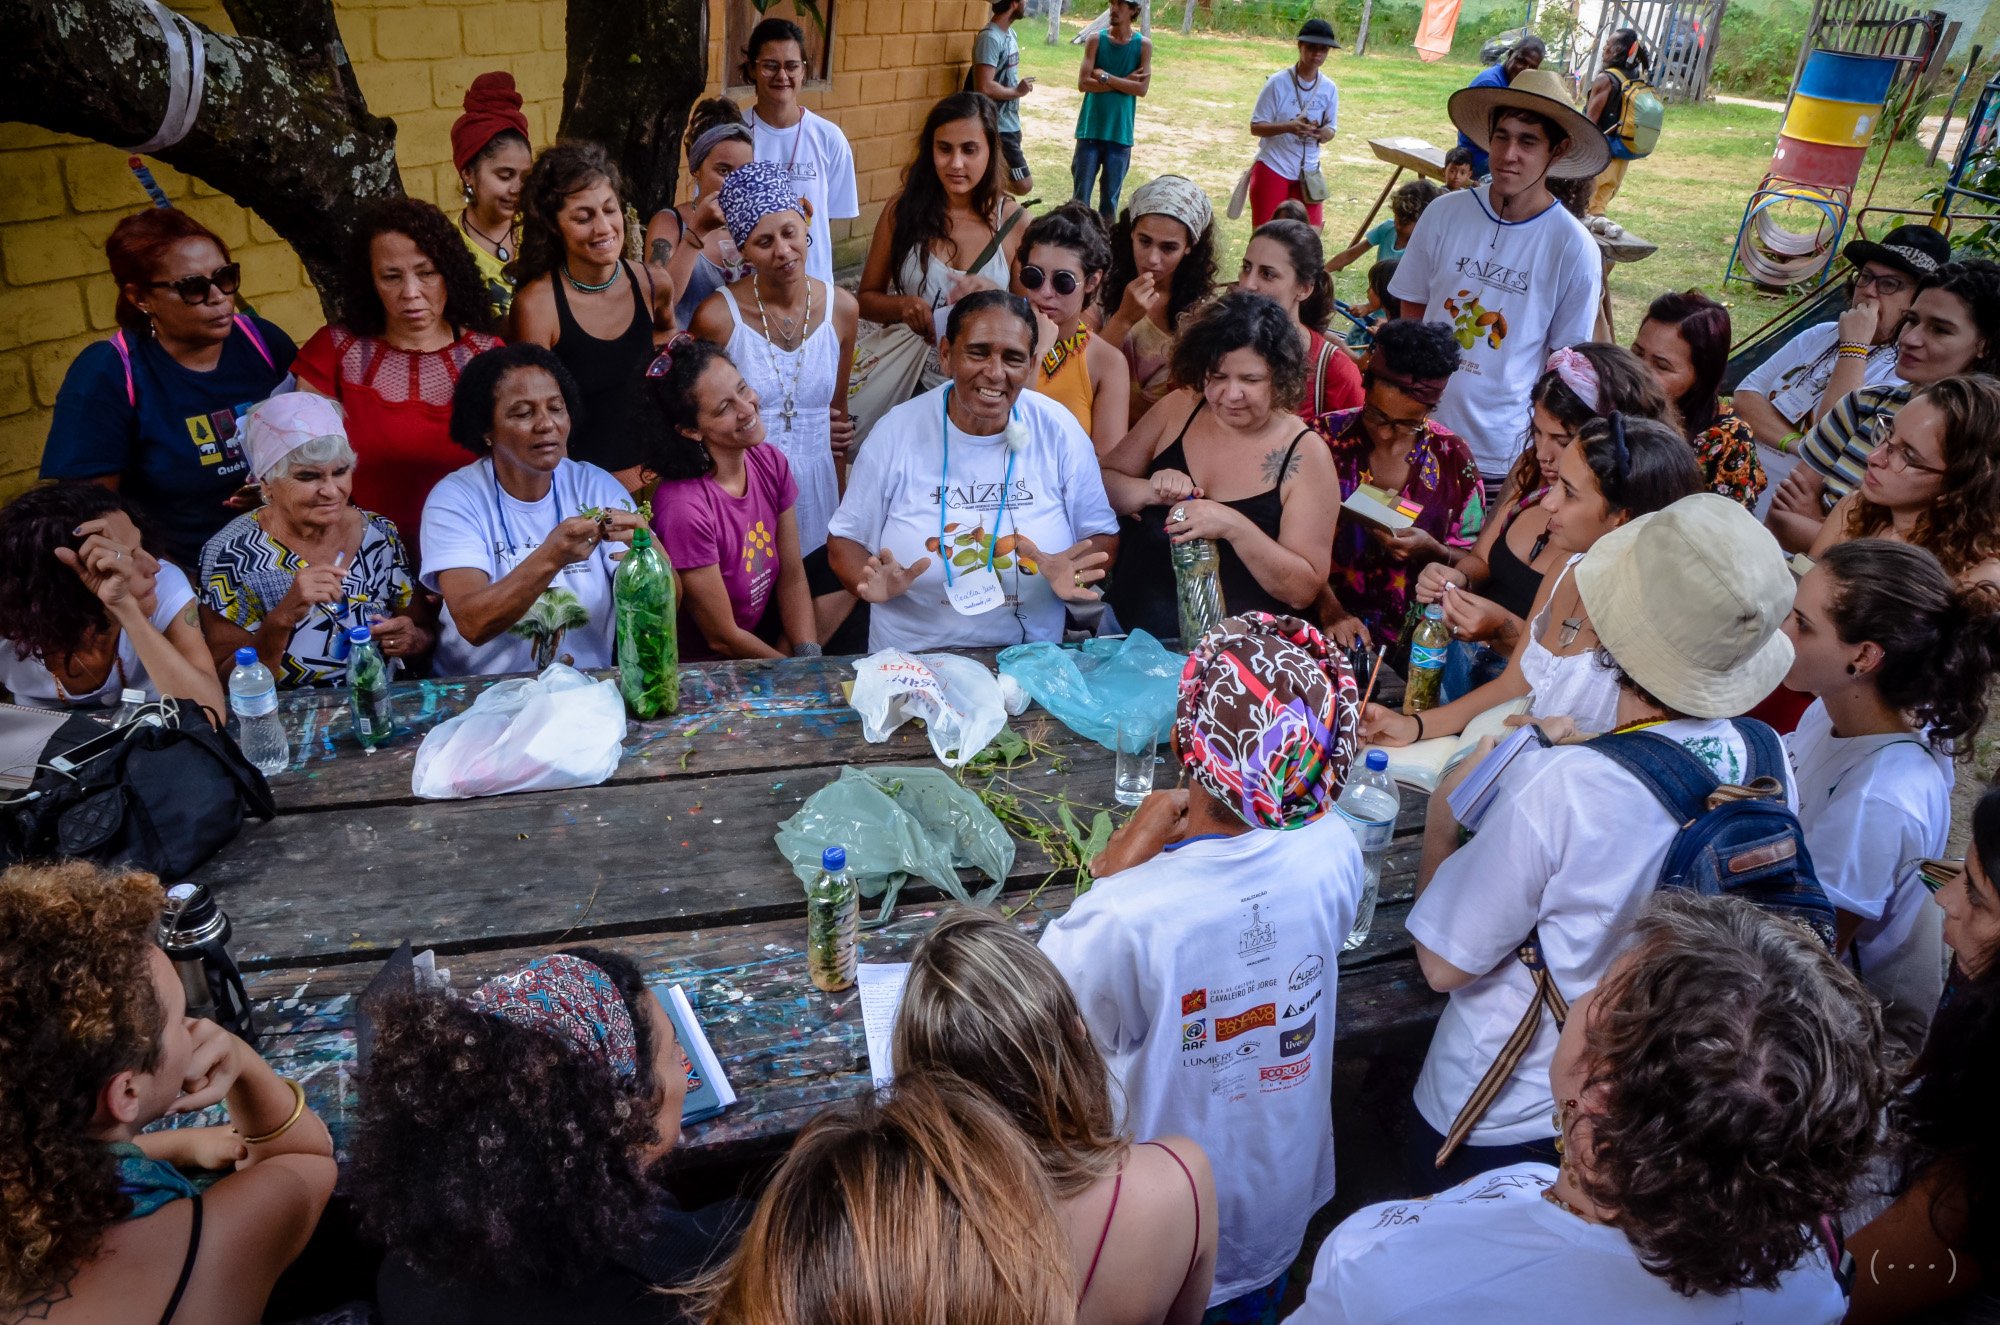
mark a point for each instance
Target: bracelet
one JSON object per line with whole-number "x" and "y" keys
{"x": 1787, "y": 442}
{"x": 298, "y": 1112}
{"x": 1420, "y": 725}
{"x": 1854, "y": 349}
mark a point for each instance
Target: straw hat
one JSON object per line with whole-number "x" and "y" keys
{"x": 1689, "y": 601}
{"x": 1544, "y": 92}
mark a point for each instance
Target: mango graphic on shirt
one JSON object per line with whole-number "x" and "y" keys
{"x": 1474, "y": 320}
{"x": 969, "y": 549}
{"x": 757, "y": 541}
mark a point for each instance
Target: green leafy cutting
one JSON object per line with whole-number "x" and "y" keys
{"x": 644, "y": 510}
{"x": 1069, "y": 844}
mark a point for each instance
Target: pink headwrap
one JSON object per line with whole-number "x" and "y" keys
{"x": 276, "y": 427}
{"x": 1578, "y": 374}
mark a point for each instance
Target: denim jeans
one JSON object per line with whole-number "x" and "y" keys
{"x": 1113, "y": 159}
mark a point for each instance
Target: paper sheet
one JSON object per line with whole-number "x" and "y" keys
{"x": 881, "y": 985}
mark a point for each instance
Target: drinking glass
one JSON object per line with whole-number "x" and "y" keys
{"x": 1134, "y": 772}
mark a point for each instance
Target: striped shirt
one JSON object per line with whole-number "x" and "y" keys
{"x": 1838, "y": 448}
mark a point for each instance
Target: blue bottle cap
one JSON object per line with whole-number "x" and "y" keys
{"x": 1378, "y": 760}
{"x": 359, "y": 635}
{"x": 246, "y": 657}
{"x": 833, "y": 859}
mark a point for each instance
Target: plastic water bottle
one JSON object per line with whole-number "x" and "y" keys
{"x": 131, "y": 703}
{"x": 1369, "y": 804}
{"x": 1428, "y": 643}
{"x": 1197, "y": 587}
{"x": 833, "y": 922}
{"x": 368, "y": 690}
{"x": 253, "y": 698}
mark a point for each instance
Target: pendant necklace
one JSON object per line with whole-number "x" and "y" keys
{"x": 790, "y": 408}
{"x": 1572, "y": 627}
{"x": 500, "y": 250}
{"x": 590, "y": 289}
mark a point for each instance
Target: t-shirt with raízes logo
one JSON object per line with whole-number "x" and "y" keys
{"x": 1513, "y": 291}
{"x": 1208, "y": 976}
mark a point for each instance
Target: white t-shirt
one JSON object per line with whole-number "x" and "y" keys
{"x": 817, "y": 154}
{"x": 1284, "y": 98}
{"x": 1571, "y": 848}
{"x": 1515, "y": 291}
{"x": 471, "y": 523}
{"x": 1492, "y": 1249}
{"x": 1054, "y": 493}
{"x": 1871, "y": 807}
{"x": 1207, "y": 976}
{"x": 1794, "y": 378}
{"x": 33, "y": 686}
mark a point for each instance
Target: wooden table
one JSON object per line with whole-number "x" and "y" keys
{"x": 1413, "y": 154}
{"x": 671, "y": 861}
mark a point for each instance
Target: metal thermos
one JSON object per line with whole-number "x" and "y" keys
{"x": 195, "y": 934}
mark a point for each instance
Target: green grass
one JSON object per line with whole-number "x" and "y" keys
{"x": 1688, "y": 197}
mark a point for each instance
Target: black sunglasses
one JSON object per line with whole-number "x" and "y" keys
{"x": 1065, "y": 282}
{"x": 194, "y": 289}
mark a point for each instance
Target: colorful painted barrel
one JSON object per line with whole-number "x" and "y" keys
{"x": 1832, "y": 123}
{"x": 1837, "y": 76}
{"x": 1815, "y": 163}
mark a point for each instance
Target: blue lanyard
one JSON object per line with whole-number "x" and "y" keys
{"x": 500, "y": 510}
{"x": 944, "y": 487}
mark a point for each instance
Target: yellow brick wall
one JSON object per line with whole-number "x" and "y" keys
{"x": 60, "y": 196}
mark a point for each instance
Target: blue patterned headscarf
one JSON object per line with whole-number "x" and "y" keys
{"x": 568, "y": 999}
{"x": 752, "y": 192}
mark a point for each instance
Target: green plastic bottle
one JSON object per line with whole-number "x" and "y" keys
{"x": 1427, "y": 649}
{"x": 649, "y": 656}
{"x": 368, "y": 690}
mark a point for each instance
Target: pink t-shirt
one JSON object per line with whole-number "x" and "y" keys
{"x": 699, "y": 524}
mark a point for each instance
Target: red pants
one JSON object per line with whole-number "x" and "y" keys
{"x": 1268, "y": 188}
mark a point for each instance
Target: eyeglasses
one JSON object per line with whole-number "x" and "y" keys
{"x": 1900, "y": 457}
{"x": 663, "y": 362}
{"x": 194, "y": 289}
{"x": 1890, "y": 284}
{"x": 1379, "y": 421}
{"x": 772, "y": 68}
{"x": 1065, "y": 282}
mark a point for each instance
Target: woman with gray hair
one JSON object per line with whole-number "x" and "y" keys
{"x": 291, "y": 578}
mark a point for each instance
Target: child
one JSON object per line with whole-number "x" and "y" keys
{"x": 1458, "y": 172}
{"x": 1391, "y": 234}
{"x": 1376, "y": 309}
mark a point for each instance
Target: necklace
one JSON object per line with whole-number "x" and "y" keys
{"x": 1640, "y": 725}
{"x": 500, "y": 250}
{"x": 1549, "y": 1195}
{"x": 591, "y": 289}
{"x": 117, "y": 665}
{"x": 790, "y": 408}
{"x": 786, "y": 333}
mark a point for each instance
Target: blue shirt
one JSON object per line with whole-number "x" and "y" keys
{"x": 1493, "y": 75}
{"x": 176, "y": 453}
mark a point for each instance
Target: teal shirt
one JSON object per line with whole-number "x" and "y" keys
{"x": 1383, "y": 236}
{"x": 1002, "y": 50}
{"x": 1107, "y": 116}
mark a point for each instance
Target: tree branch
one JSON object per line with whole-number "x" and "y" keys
{"x": 634, "y": 73}
{"x": 307, "y": 31}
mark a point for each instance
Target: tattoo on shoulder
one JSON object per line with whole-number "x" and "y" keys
{"x": 40, "y": 1308}
{"x": 191, "y": 614}
{"x": 1280, "y": 465}
{"x": 663, "y": 249}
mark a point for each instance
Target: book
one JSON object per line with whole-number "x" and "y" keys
{"x": 1423, "y": 765}
{"x": 1391, "y": 510}
{"x": 1473, "y": 797}
{"x": 708, "y": 1089}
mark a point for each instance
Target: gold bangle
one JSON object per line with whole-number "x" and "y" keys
{"x": 298, "y": 1112}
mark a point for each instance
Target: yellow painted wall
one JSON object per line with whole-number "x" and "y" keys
{"x": 59, "y": 196}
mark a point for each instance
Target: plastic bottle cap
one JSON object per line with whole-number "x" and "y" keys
{"x": 641, "y": 540}
{"x": 359, "y": 635}
{"x": 833, "y": 858}
{"x": 246, "y": 657}
{"x": 1435, "y": 611}
{"x": 1378, "y": 761}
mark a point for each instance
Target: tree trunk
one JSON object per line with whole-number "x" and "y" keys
{"x": 1055, "y": 22}
{"x": 1361, "y": 37}
{"x": 282, "y": 127}
{"x": 635, "y": 71}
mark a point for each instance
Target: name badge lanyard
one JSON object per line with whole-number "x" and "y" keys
{"x": 509, "y": 558}
{"x": 944, "y": 488}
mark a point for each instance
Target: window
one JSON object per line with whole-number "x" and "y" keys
{"x": 814, "y": 17}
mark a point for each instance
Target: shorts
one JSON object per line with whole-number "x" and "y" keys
{"x": 1017, "y": 160}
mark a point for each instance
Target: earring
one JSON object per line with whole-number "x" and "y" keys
{"x": 1853, "y": 669}
{"x": 466, "y": 189}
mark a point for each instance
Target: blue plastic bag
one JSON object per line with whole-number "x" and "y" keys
{"x": 1089, "y": 686}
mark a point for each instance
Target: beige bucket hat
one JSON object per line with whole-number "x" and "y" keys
{"x": 1689, "y": 601}
{"x": 1544, "y": 92}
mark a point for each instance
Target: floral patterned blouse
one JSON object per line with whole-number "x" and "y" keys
{"x": 1727, "y": 457}
{"x": 1444, "y": 482}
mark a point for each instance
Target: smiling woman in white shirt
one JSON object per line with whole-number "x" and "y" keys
{"x": 519, "y": 542}
{"x": 975, "y": 512}
{"x": 1901, "y": 659}
{"x": 1719, "y": 1093}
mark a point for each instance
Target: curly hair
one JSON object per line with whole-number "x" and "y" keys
{"x": 565, "y": 168}
{"x": 1423, "y": 350}
{"x": 925, "y": 1204}
{"x": 669, "y": 449}
{"x": 1623, "y": 384}
{"x": 1735, "y": 1079}
{"x": 1411, "y": 198}
{"x": 490, "y": 1153}
{"x": 1240, "y": 321}
{"x": 1076, "y": 228}
{"x": 46, "y": 610}
{"x": 1193, "y": 280}
{"x": 921, "y": 219}
{"x": 477, "y": 394}
{"x": 1959, "y": 528}
{"x": 1308, "y": 258}
{"x": 77, "y": 1007}
{"x": 466, "y": 306}
{"x": 983, "y": 1004}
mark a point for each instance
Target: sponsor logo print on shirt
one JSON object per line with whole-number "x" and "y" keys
{"x": 1195, "y": 1000}
{"x": 1194, "y": 1034}
{"x": 1306, "y": 973}
{"x": 1244, "y": 990}
{"x": 1259, "y": 936}
{"x": 1300, "y": 1008}
{"x": 1284, "y": 1076}
{"x": 1297, "y": 1040}
{"x": 1228, "y": 1028}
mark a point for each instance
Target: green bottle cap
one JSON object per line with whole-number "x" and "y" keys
{"x": 642, "y": 538}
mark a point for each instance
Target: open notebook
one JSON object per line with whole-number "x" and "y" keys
{"x": 1423, "y": 765}
{"x": 708, "y": 1090}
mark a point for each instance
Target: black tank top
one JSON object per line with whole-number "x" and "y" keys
{"x": 610, "y": 375}
{"x": 1143, "y": 589}
{"x": 1513, "y": 583}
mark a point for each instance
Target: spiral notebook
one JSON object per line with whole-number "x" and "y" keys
{"x": 708, "y": 1090}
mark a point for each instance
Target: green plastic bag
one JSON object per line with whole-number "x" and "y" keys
{"x": 896, "y": 822}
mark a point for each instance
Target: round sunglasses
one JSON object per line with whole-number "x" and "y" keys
{"x": 1065, "y": 282}
{"x": 194, "y": 289}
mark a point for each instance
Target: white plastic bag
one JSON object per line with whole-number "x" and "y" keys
{"x": 957, "y": 698}
{"x": 559, "y": 729}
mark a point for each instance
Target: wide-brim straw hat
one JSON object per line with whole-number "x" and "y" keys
{"x": 1689, "y": 601}
{"x": 1544, "y": 92}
